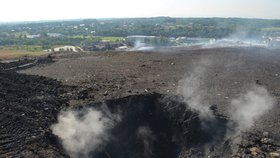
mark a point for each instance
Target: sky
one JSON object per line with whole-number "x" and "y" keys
{"x": 33, "y": 10}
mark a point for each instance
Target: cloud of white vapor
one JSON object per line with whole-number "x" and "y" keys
{"x": 244, "y": 110}
{"x": 148, "y": 139}
{"x": 84, "y": 132}
{"x": 249, "y": 107}
{"x": 140, "y": 46}
{"x": 193, "y": 90}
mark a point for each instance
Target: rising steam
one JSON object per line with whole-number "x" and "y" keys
{"x": 146, "y": 135}
{"x": 193, "y": 90}
{"x": 243, "y": 110}
{"x": 249, "y": 107}
{"x": 140, "y": 46}
{"x": 84, "y": 132}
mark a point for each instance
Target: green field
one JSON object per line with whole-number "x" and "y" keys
{"x": 9, "y": 52}
{"x": 112, "y": 39}
{"x": 29, "y": 48}
{"x": 271, "y": 29}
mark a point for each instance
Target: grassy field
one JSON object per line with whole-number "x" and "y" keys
{"x": 112, "y": 39}
{"x": 29, "y": 48}
{"x": 108, "y": 38}
{"x": 271, "y": 29}
{"x": 10, "y": 52}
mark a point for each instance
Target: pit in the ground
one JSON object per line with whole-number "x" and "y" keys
{"x": 151, "y": 125}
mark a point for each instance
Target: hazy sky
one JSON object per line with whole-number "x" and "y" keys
{"x": 29, "y": 10}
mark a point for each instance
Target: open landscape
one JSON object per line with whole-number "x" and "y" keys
{"x": 155, "y": 81}
{"x": 140, "y": 79}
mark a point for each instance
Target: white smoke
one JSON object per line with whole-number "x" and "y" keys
{"x": 84, "y": 132}
{"x": 244, "y": 110}
{"x": 148, "y": 139}
{"x": 193, "y": 90}
{"x": 140, "y": 46}
{"x": 250, "y": 106}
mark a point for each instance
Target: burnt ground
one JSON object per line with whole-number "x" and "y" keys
{"x": 29, "y": 105}
{"x": 32, "y": 99}
{"x": 230, "y": 72}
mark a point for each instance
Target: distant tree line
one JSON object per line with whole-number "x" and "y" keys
{"x": 79, "y": 32}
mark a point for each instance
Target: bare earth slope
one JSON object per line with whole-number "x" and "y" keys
{"x": 228, "y": 73}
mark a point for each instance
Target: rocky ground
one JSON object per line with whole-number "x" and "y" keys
{"x": 79, "y": 79}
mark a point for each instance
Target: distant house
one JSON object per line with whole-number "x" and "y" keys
{"x": 54, "y": 34}
{"x": 122, "y": 48}
{"x": 33, "y": 36}
{"x": 66, "y": 49}
{"x": 103, "y": 46}
{"x": 138, "y": 38}
{"x": 275, "y": 43}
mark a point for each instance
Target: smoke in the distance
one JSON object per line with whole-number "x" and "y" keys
{"x": 139, "y": 46}
{"x": 250, "y": 106}
{"x": 83, "y": 132}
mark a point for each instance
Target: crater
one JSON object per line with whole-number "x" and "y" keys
{"x": 158, "y": 126}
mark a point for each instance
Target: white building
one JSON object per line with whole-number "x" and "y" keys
{"x": 139, "y": 38}
{"x": 66, "y": 49}
{"x": 33, "y": 36}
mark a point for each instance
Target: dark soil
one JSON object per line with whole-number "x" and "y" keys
{"x": 172, "y": 128}
{"x": 24, "y": 63}
{"x": 29, "y": 105}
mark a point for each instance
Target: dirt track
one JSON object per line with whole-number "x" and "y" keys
{"x": 229, "y": 72}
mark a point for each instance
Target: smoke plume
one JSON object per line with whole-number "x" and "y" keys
{"x": 84, "y": 132}
{"x": 250, "y": 106}
{"x": 193, "y": 90}
{"x": 148, "y": 138}
{"x": 244, "y": 110}
{"x": 140, "y": 46}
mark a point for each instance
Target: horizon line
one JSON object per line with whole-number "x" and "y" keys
{"x": 112, "y": 18}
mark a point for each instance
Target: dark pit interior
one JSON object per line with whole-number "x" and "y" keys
{"x": 154, "y": 125}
